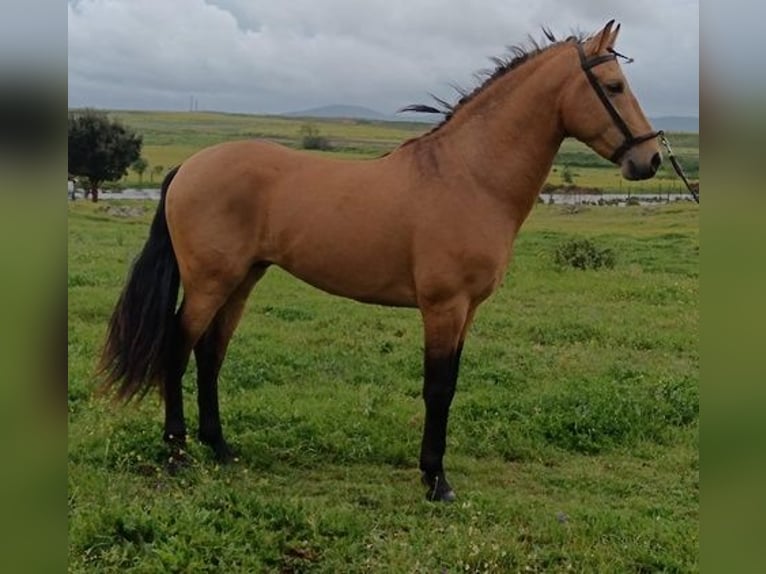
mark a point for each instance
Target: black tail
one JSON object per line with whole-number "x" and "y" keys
{"x": 140, "y": 341}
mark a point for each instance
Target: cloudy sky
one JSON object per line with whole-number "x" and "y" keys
{"x": 272, "y": 56}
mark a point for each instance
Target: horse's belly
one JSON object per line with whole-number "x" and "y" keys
{"x": 357, "y": 284}
{"x": 353, "y": 269}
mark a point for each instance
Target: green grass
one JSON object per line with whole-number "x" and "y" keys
{"x": 171, "y": 137}
{"x": 573, "y": 442}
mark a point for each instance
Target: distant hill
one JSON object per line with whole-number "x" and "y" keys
{"x": 677, "y": 123}
{"x": 340, "y": 111}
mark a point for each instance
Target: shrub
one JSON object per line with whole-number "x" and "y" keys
{"x": 583, "y": 254}
{"x": 311, "y": 139}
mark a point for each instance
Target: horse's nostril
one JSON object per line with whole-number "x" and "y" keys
{"x": 631, "y": 169}
{"x": 656, "y": 161}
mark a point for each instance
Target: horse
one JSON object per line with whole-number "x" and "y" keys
{"x": 430, "y": 225}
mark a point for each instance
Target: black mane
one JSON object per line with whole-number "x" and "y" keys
{"x": 517, "y": 55}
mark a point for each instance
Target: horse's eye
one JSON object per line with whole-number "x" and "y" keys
{"x": 615, "y": 87}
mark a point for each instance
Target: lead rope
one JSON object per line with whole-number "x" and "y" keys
{"x": 677, "y": 166}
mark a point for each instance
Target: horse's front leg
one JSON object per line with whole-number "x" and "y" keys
{"x": 445, "y": 326}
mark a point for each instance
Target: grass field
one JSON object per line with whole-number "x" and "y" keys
{"x": 171, "y": 137}
{"x": 573, "y": 442}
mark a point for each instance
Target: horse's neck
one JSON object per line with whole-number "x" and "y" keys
{"x": 507, "y": 137}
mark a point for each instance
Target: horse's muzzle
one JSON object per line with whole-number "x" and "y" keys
{"x": 634, "y": 171}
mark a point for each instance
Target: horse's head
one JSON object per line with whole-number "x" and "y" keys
{"x": 599, "y": 109}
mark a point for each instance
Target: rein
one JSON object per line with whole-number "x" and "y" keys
{"x": 630, "y": 140}
{"x": 677, "y": 166}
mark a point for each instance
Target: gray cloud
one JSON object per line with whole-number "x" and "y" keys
{"x": 275, "y": 56}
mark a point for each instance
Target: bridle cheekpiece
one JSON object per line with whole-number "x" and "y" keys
{"x": 630, "y": 140}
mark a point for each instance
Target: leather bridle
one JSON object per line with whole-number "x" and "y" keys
{"x": 630, "y": 140}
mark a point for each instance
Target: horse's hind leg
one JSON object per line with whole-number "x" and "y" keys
{"x": 175, "y": 425}
{"x": 209, "y": 352}
{"x": 197, "y": 310}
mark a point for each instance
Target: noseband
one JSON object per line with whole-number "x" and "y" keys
{"x": 630, "y": 139}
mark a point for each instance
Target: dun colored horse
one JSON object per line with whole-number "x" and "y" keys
{"x": 430, "y": 225}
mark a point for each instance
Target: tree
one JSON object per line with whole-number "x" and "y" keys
{"x": 140, "y": 166}
{"x": 567, "y": 175}
{"x": 156, "y": 170}
{"x": 100, "y": 149}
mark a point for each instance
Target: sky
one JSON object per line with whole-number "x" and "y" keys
{"x": 274, "y": 56}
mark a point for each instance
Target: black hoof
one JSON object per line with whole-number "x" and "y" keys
{"x": 177, "y": 456}
{"x": 439, "y": 489}
{"x": 223, "y": 453}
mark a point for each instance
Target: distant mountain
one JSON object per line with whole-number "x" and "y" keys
{"x": 677, "y": 123}
{"x": 340, "y": 111}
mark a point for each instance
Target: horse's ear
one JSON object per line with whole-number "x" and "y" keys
{"x": 613, "y": 38}
{"x": 603, "y": 39}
